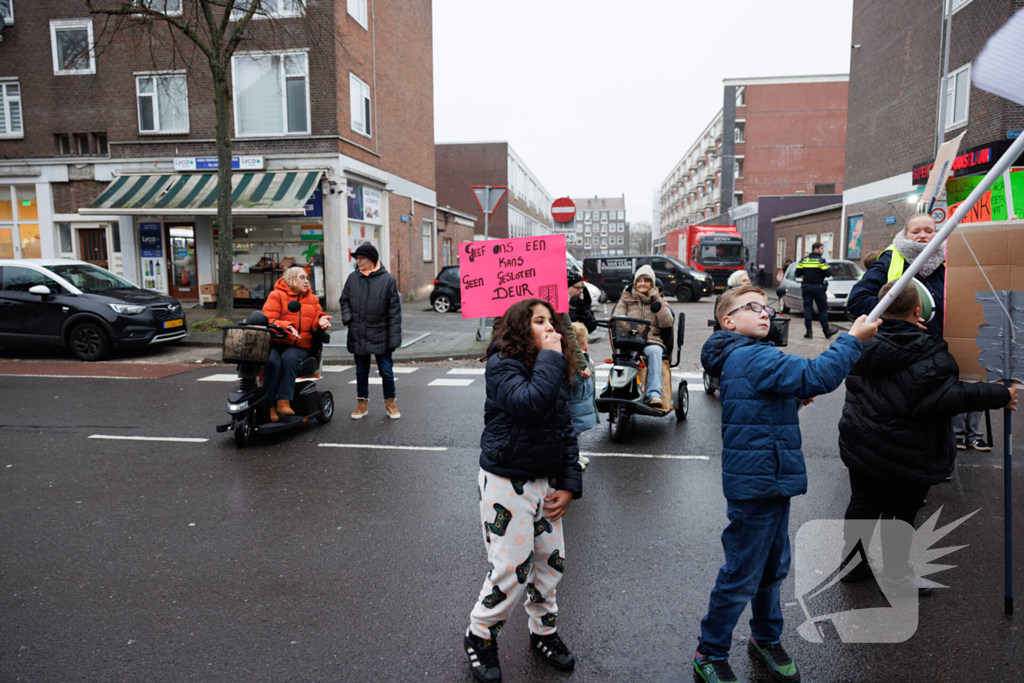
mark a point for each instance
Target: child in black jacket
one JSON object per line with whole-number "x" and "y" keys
{"x": 896, "y": 433}
{"x": 529, "y": 473}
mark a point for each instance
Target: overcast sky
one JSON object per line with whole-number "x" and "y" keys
{"x": 604, "y": 96}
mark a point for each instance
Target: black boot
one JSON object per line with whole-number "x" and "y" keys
{"x": 554, "y": 651}
{"x": 831, "y": 332}
{"x": 808, "y": 335}
{"x": 483, "y": 658}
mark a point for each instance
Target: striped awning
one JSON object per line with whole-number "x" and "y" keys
{"x": 279, "y": 193}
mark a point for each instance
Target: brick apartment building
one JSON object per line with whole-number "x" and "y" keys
{"x": 774, "y": 136}
{"x": 889, "y": 149}
{"x": 600, "y": 227}
{"x": 526, "y": 208}
{"x": 103, "y": 152}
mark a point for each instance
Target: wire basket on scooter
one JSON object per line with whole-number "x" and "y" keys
{"x": 628, "y": 334}
{"x": 247, "y": 344}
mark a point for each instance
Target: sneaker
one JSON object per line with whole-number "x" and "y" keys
{"x": 362, "y": 408}
{"x": 553, "y": 650}
{"x": 389, "y": 405}
{"x": 978, "y": 445}
{"x": 483, "y": 658}
{"x": 584, "y": 461}
{"x": 774, "y": 656}
{"x": 713, "y": 669}
{"x": 831, "y": 332}
{"x": 961, "y": 443}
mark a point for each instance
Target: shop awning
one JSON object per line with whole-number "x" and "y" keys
{"x": 261, "y": 194}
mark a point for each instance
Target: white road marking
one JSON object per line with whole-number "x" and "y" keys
{"x": 451, "y": 383}
{"x": 149, "y": 438}
{"x": 4, "y": 374}
{"x": 645, "y": 455}
{"x": 376, "y": 381}
{"x": 222, "y": 377}
{"x": 467, "y": 371}
{"x": 403, "y": 370}
{"x": 336, "y": 368}
{"x": 383, "y": 448}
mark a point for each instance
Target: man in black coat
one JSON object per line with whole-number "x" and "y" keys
{"x": 371, "y": 309}
{"x": 896, "y": 432}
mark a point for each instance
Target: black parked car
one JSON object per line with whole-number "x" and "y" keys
{"x": 446, "y": 295}
{"x": 612, "y": 273}
{"x": 82, "y": 306}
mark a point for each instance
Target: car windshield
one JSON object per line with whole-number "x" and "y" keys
{"x": 844, "y": 271}
{"x": 718, "y": 252}
{"x": 90, "y": 278}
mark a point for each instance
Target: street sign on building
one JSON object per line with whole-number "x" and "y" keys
{"x": 563, "y": 210}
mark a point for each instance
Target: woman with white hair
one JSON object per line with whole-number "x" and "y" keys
{"x": 286, "y": 356}
{"x": 738, "y": 279}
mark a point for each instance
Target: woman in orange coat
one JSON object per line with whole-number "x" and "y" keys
{"x": 286, "y": 356}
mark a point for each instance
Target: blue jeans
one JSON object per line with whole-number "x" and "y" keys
{"x": 967, "y": 426}
{"x": 757, "y": 559}
{"x": 385, "y": 365}
{"x": 654, "y": 354}
{"x": 280, "y": 373}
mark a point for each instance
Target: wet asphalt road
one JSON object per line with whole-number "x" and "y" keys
{"x": 289, "y": 561}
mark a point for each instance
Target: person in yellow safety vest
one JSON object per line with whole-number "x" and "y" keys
{"x": 814, "y": 270}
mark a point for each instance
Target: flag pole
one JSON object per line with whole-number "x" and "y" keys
{"x": 1015, "y": 150}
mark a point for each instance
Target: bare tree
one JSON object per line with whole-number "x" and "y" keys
{"x": 210, "y": 31}
{"x": 640, "y": 237}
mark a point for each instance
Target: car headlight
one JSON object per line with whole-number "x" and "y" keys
{"x": 127, "y": 309}
{"x": 235, "y": 407}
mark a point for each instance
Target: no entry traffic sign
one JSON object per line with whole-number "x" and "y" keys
{"x": 563, "y": 210}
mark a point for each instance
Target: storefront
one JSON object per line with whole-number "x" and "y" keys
{"x": 19, "y": 222}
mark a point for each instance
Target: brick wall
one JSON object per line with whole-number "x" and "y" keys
{"x": 456, "y": 231}
{"x": 459, "y": 167}
{"x": 794, "y": 138}
{"x": 815, "y": 224}
{"x": 68, "y": 197}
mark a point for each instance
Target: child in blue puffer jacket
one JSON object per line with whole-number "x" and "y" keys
{"x": 582, "y": 406}
{"x": 529, "y": 473}
{"x": 762, "y": 468}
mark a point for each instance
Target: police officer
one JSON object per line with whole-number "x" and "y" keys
{"x": 815, "y": 272}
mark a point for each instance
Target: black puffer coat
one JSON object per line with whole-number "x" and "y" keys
{"x": 371, "y": 309}
{"x": 900, "y": 399}
{"x": 528, "y": 430}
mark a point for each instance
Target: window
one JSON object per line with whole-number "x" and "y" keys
{"x": 359, "y": 96}
{"x": 622, "y": 215}
{"x": 271, "y": 94}
{"x": 827, "y": 239}
{"x": 957, "y": 4}
{"x": 428, "y": 240}
{"x": 741, "y": 96}
{"x": 958, "y": 90}
{"x": 19, "y": 279}
{"x": 7, "y": 11}
{"x": 80, "y": 144}
{"x": 357, "y": 10}
{"x": 63, "y": 144}
{"x": 277, "y": 9}
{"x": 799, "y": 248}
{"x": 604, "y": 216}
{"x": 163, "y": 103}
{"x": 10, "y": 111}
{"x": 168, "y": 7}
{"x": 100, "y": 140}
{"x": 72, "y": 47}
{"x": 738, "y": 169}
{"x": 780, "y": 252}
{"x": 586, "y": 216}
{"x": 739, "y": 132}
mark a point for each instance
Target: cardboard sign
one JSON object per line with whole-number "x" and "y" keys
{"x": 497, "y": 273}
{"x": 995, "y": 204}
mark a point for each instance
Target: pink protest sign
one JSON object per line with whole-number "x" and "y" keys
{"x": 497, "y": 273}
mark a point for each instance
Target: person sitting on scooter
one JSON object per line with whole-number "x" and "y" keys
{"x": 286, "y": 355}
{"x": 643, "y": 300}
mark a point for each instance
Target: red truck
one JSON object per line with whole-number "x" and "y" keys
{"x": 714, "y": 249}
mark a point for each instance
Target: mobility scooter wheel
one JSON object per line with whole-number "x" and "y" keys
{"x": 683, "y": 403}
{"x": 243, "y": 429}
{"x": 326, "y": 408}
{"x": 708, "y": 389}
{"x": 618, "y": 423}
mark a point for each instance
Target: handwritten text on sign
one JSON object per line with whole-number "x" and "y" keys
{"x": 495, "y": 274}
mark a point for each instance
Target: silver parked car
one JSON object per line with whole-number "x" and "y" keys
{"x": 845, "y": 275}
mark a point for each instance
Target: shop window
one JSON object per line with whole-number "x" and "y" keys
{"x": 71, "y": 44}
{"x": 271, "y": 94}
{"x": 11, "y": 125}
{"x": 357, "y": 10}
{"x": 163, "y": 103}
{"x": 958, "y": 92}
{"x": 428, "y": 240}
{"x": 359, "y": 100}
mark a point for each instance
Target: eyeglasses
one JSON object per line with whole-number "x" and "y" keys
{"x": 755, "y": 307}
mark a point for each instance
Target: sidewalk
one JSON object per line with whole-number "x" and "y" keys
{"x": 426, "y": 336}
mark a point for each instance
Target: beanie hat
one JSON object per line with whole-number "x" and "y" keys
{"x": 573, "y": 277}
{"x": 647, "y": 272}
{"x": 368, "y": 251}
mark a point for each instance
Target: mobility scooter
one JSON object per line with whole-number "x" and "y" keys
{"x": 249, "y": 344}
{"x": 623, "y": 395}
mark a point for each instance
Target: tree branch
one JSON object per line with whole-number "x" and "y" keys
{"x": 142, "y": 11}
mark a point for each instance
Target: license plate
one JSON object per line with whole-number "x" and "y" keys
{"x": 173, "y": 323}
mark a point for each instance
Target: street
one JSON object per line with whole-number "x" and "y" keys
{"x": 352, "y": 551}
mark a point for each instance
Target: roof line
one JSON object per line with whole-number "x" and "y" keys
{"x": 809, "y": 212}
{"x": 773, "y": 80}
